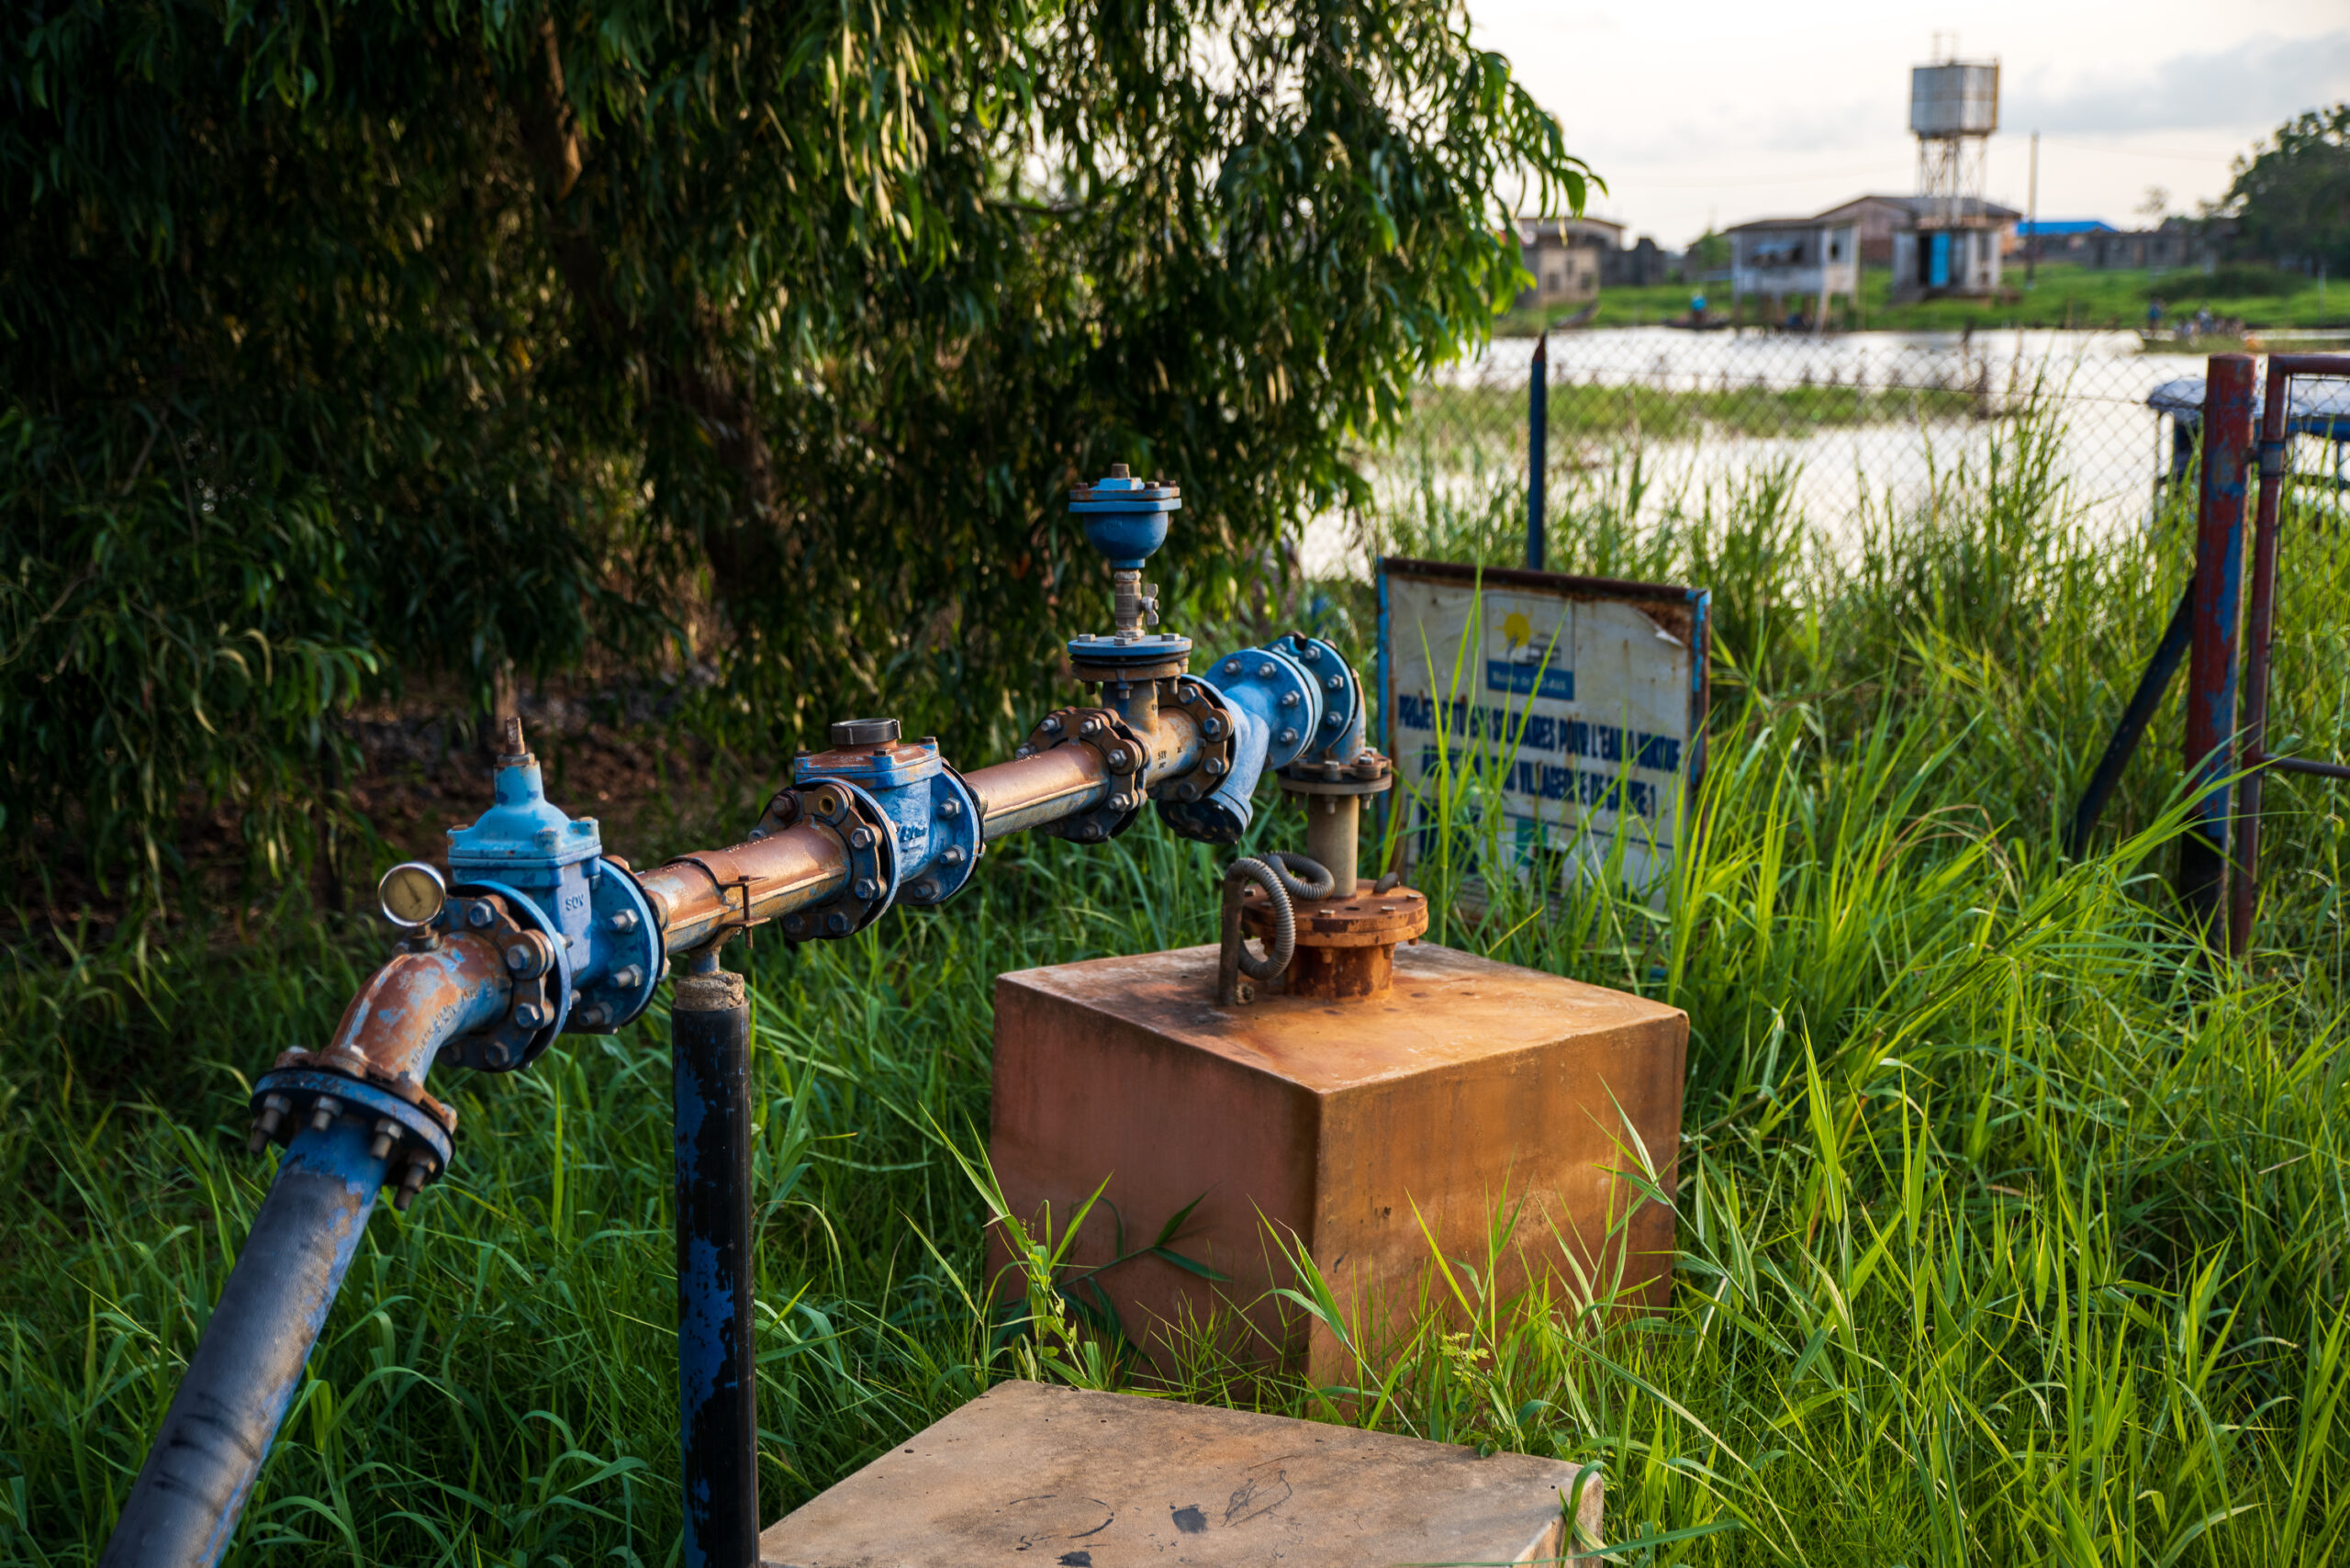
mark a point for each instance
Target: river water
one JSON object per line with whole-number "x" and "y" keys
{"x": 2112, "y": 446}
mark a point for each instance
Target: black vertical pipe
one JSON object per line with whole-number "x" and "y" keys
{"x": 2211, "y": 648}
{"x": 2134, "y": 718}
{"x": 1538, "y": 430}
{"x": 709, "y": 1049}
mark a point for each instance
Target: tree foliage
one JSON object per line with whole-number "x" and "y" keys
{"x": 2291, "y": 198}
{"x": 343, "y": 341}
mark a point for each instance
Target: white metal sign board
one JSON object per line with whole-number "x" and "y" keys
{"x": 1576, "y": 705}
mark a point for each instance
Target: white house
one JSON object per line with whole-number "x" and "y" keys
{"x": 1794, "y": 259}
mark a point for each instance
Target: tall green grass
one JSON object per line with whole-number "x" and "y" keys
{"x": 2011, "y": 1228}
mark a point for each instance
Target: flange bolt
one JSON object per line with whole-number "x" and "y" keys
{"x": 412, "y": 1183}
{"x": 273, "y": 1116}
{"x": 479, "y": 915}
{"x": 387, "y": 1133}
{"x": 529, "y": 1015}
{"x": 628, "y": 977}
{"x": 624, "y": 921}
{"x": 951, "y": 855}
{"x": 323, "y": 1112}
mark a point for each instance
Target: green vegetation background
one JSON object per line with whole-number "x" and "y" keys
{"x": 2063, "y": 295}
{"x": 2011, "y": 1230}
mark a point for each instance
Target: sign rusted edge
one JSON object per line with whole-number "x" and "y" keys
{"x": 1686, "y": 613}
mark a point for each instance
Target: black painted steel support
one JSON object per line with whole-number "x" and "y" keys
{"x": 1538, "y": 433}
{"x": 2134, "y": 718}
{"x": 710, "y": 1041}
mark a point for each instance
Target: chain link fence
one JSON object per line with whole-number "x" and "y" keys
{"x": 1855, "y": 424}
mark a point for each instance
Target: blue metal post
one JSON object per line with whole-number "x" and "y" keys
{"x": 2212, "y": 651}
{"x": 710, "y": 1036}
{"x": 1538, "y": 430}
{"x": 183, "y": 1509}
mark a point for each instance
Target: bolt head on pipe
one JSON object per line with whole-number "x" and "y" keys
{"x": 624, "y": 921}
{"x": 479, "y": 915}
{"x": 529, "y": 1015}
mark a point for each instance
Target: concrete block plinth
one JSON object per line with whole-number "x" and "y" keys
{"x": 1031, "y": 1475}
{"x": 1356, "y": 1129}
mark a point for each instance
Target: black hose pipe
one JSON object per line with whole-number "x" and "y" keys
{"x": 184, "y": 1508}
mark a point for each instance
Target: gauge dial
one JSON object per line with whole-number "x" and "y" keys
{"x": 412, "y": 894}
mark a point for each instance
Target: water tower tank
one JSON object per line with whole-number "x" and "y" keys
{"x": 1955, "y": 98}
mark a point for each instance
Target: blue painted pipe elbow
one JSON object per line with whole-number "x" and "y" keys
{"x": 1277, "y": 712}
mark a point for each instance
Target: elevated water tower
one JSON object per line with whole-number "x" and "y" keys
{"x": 1953, "y": 110}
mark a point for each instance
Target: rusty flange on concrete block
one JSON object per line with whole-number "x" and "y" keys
{"x": 1346, "y": 946}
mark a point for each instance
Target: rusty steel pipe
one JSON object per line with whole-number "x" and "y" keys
{"x": 413, "y": 1006}
{"x": 1029, "y": 791}
{"x": 1034, "y": 790}
{"x": 2211, "y": 644}
{"x": 698, "y": 896}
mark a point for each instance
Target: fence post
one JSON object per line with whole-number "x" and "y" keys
{"x": 2211, "y": 654}
{"x": 1537, "y": 429}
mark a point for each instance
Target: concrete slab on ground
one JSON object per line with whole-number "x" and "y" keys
{"x": 1027, "y": 1475}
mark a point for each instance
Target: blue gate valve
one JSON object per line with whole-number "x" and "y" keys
{"x": 598, "y": 954}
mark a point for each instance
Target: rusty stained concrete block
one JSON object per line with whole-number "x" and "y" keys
{"x": 1469, "y": 1087}
{"x": 1028, "y": 1476}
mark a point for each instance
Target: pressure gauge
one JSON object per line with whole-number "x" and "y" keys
{"x": 412, "y": 893}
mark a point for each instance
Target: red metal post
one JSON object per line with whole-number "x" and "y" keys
{"x": 2212, "y": 650}
{"x": 2252, "y": 757}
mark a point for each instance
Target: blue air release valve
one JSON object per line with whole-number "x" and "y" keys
{"x": 1126, "y": 519}
{"x": 584, "y": 951}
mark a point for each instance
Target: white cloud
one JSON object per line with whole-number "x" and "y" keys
{"x": 2263, "y": 80}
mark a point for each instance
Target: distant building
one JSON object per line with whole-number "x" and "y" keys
{"x": 1960, "y": 258}
{"x": 1566, "y": 256}
{"x": 1643, "y": 264}
{"x": 2177, "y": 243}
{"x": 1794, "y": 258}
{"x": 1879, "y": 218}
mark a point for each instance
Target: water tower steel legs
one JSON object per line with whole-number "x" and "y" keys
{"x": 709, "y": 1040}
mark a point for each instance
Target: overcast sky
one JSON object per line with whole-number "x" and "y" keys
{"x": 1710, "y": 112}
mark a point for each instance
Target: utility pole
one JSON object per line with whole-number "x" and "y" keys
{"x": 2031, "y": 218}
